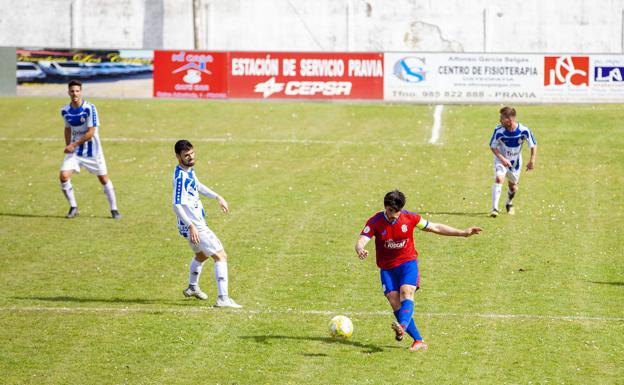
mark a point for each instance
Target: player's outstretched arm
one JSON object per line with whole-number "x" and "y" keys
{"x": 223, "y": 204}
{"x": 206, "y": 191}
{"x": 442, "y": 229}
{"x": 359, "y": 246}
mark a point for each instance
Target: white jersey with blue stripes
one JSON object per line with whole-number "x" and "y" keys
{"x": 79, "y": 120}
{"x": 509, "y": 143}
{"x": 186, "y": 197}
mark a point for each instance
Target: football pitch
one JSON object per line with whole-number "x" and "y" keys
{"x": 537, "y": 298}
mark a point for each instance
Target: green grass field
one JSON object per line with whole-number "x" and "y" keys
{"x": 537, "y": 298}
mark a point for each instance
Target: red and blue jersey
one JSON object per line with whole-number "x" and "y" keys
{"x": 394, "y": 240}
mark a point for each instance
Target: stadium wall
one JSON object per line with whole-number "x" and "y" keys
{"x": 418, "y": 77}
{"x": 529, "y": 26}
{"x": 8, "y": 79}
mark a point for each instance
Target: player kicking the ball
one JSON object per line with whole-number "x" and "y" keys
{"x": 397, "y": 258}
{"x": 192, "y": 226}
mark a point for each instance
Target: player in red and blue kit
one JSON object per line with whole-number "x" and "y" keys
{"x": 397, "y": 258}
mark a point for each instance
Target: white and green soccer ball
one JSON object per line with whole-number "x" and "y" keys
{"x": 340, "y": 326}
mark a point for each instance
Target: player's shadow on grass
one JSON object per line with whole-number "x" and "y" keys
{"x": 138, "y": 301}
{"x": 368, "y": 348}
{"x": 614, "y": 283}
{"x": 478, "y": 214}
{"x": 18, "y": 215}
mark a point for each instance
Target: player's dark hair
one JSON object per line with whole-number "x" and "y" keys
{"x": 182, "y": 145}
{"x": 508, "y": 112}
{"x": 395, "y": 200}
{"x": 74, "y": 82}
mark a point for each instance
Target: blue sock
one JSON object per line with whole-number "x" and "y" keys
{"x": 406, "y": 312}
{"x": 411, "y": 330}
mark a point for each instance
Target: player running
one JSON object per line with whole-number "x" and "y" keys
{"x": 506, "y": 144}
{"x": 83, "y": 149}
{"x": 397, "y": 258}
{"x": 192, "y": 226}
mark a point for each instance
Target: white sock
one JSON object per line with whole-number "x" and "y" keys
{"x": 109, "y": 190}
{"x": 68, "y": 190}
{"x": 221, "y": 276}
{"x": 195, "y": 271}
{"x": 496, "y": 193}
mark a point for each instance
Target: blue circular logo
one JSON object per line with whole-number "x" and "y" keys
{"x": 410, "y": 69}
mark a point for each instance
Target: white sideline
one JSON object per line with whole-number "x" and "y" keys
{"x": 437, "y": 124}
{"x": 435, "y": 136}
{"x": 212, "y": 140}
{"x": 205, "y": 309}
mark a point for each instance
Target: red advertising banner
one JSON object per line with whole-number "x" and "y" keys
{"x": 566, "y": 70}
{"x": 190, "y": 74}
{"x": 284, "y": 75}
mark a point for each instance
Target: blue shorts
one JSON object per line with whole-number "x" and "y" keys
{"x": 404, "y": 274}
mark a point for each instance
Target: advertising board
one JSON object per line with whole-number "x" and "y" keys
{"x": 284, "y": 75}
{"x": 105, "y": 73}
{"x": 462, "y": 78}
{"x": 190, "y": 74}
{"x": 503, "y": 78}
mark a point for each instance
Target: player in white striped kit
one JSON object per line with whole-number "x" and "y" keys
{"x": 192, "y": 225}
{"x": 506, "y": 144}
{"x": 83, "y": 149}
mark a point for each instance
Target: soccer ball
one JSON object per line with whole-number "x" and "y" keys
{"x": 340, "y": 326}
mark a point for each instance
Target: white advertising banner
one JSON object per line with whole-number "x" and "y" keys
{"x": 583, "y": 78}
{"x": 503, "y": 78}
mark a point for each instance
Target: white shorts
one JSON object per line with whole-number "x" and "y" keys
{"x": 209, "y": 244}
{"x": 500, "y": 170}
{"x": 95, "y": 165}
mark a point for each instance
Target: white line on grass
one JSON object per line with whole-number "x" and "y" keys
{"x": 213, "y": 140}
{"x": 437, "y": 124}
{"x": 205, "y": 309}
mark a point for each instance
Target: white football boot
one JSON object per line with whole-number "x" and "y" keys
{"x": 227, "y": 302}
{"x": 194, "y": 292}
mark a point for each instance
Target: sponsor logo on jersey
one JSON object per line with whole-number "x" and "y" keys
{"x": 392, "y": 244}
{"x": 566, "y": 70}
{"x": 307, "y": 88}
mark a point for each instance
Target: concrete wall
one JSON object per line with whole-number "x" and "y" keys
{"x": 8, "y": 62}
{"x": 319, "y": 25}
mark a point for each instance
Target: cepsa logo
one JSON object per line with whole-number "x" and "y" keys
{"x": 293, "y": 75}
{"x": 566, "y": 70}
{"x": 306, "y": 88}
